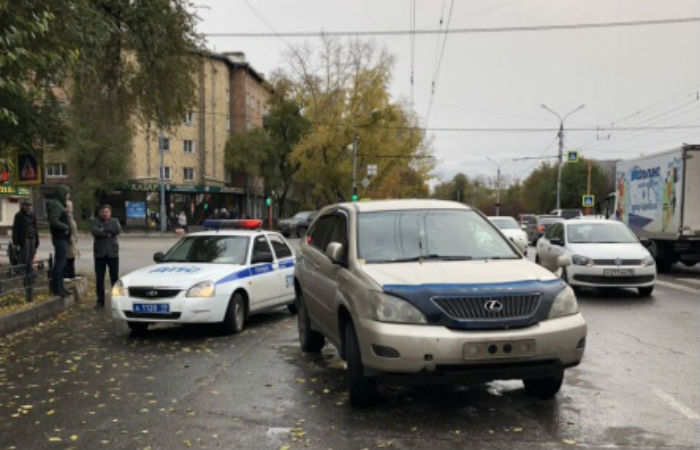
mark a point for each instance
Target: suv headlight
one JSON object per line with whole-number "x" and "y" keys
{"x": 387, "y": 308}
{"x": 202, "y": 289}
{"x": 118, "y": 289}
{"x": 564, "y": 304}
{"x": 648, "y": 261}
{"x": 582, "y": 260}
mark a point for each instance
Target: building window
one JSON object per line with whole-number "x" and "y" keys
{"x": 165, "y": 173}
{"x": 163, "y": 143}
{"x": 189, "y": 146}
{"x": 189, "y": 118}
{"x": 189, "y": 174}
{"x": 56, "y": 170}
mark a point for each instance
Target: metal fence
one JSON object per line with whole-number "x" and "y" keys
{"x": 14, "y": 281}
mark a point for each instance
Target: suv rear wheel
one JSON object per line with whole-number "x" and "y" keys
{"x": 310, "y": 340}
{"x": 543, "y": 387}
{"x": 362, "y": 389}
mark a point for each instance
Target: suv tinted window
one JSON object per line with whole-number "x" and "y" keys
{"x": 319, "y": 235}
{"x": 281, "y": 249}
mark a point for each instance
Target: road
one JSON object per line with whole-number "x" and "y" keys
{"x": 83, "y": 379}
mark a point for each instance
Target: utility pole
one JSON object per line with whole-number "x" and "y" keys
{"x": 498, "y": 185}
{"x": 588, "y": 183}
{"x": 354, "y": 167}
{"x": 561, "y": 146}
{"x": 161, "y": 178}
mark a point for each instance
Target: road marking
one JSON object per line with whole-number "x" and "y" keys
{"x": 677, "y": 286}
{"x": 678, "y": 406}
{"x": 690, "y": 280}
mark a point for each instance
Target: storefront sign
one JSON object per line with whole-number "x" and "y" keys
{"x": 29, "y": 168}
{"x": 179, "y": 188}
{"x": 135, "y": 210}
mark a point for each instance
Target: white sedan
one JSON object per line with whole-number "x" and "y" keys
{"x": 512, "y": 230}
{"x": 597, "y": 253}
{"x": 209, "y": 277}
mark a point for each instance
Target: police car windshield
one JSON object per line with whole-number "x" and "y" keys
{"x": 449, "y": 235}
{"x": 600, "y": 233}
{"x": 209, "y": 249}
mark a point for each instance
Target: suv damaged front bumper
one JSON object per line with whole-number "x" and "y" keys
{"x": 540, "y": 350}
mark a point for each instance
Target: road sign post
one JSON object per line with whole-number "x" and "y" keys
{"x": 588, "y": 201}
{"x": 572, "y": 156}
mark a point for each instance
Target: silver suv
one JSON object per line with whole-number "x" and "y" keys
{"x": 431, "y": 289}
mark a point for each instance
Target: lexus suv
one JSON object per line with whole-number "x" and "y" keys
{"x": 431, "y": 289}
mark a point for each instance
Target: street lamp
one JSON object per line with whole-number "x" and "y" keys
{"x": 561, "y": 145}
{"x": 498, "y": 184}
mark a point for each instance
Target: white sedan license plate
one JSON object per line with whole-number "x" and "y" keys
{"x": 151, "y": 308}
{"x": 618, "y": 272}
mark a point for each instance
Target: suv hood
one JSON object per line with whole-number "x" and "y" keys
{"x": 178, "y": 275}
{"x": 457, "y": 272}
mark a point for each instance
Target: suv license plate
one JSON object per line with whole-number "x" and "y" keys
{"x": 498, "y": 349}
{"x": 618, "y": 272}
{"x": 151, "y": 308}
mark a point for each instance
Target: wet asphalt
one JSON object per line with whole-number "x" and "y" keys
{"x": 82, "y": 381}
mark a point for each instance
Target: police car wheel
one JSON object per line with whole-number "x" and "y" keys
{"x": 310, "y": 340}
{"x": 234, "y": 319}
{"x": 292, "y": 308}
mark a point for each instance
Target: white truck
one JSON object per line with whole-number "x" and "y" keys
{"x": 658, "y": 196}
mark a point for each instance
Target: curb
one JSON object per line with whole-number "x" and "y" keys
{"x": 20, "y": 320}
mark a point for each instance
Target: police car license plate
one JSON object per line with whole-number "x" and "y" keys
{"x": 618, "y": 272}
{"x": 151, "y": 308}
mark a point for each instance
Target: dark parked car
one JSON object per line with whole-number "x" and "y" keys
{"x": 297, "y": 224}
{"x": 537, "y": 227}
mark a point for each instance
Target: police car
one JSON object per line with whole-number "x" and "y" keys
{"x": 216, "y": 276}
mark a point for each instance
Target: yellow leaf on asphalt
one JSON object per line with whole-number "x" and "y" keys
{"x": 300, "y": 380}
{"x": 517, "y": 429}
{"x": 50, "y": 412}
{"x": 187, "y": 443}
{"x": 569, "y": 441}
{"x": 54, "y": 439}
{"x": 284, "y": 447}
{"x": 74, "y": 437}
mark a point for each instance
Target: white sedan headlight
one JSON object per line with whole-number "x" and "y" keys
{"x": 386, "y": 308}
{"x": 582, "y": 260}
{"x": 118, "y": 289}
{"x": 564, "y": 304}
{"x": 202, "y": 289}
{"x": 648, "y": 261}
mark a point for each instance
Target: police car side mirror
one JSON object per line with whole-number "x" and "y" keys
{"x": 335, "y": 252}
{"x": 158, "y": 257}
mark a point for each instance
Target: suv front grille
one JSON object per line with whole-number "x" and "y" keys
{"x": 614, "y": 262}
{"x": 512, "y": 306}
{"x": 152, "y": 293}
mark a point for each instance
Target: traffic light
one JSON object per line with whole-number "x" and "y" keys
{"x": 355, "y": 197}
{"x": 268, "y": 201}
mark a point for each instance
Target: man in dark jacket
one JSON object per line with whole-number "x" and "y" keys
{"x": 106, "y": 250}
{"x": 25, "y": 237}
{"x": 59, "y": 224}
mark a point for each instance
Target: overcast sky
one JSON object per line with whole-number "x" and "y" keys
{"x": 501, "y": 79}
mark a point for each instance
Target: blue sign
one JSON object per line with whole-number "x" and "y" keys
{"x": 572, "y": 156}
{"x": 135, "y": 210}
{"x": 588, "y": 201}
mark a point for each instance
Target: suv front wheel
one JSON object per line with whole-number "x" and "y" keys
{"x": 310, "y": 340}
{"x": 543, "y": 387}
{"x": 362, "y": 389}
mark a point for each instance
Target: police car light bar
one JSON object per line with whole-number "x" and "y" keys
{"x": 238, "y": 224}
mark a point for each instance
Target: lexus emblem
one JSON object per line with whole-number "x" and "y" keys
{"x": 152, "y": 293}
{"x": 618, "y": 262}
{"x": 493, "y": 306}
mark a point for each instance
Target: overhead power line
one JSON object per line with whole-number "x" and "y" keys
{"x": 471, "y": 30}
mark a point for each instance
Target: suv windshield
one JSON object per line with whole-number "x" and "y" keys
{"x": 505, "y": 223}
{"x": 600, "y": 233}
{"x": 209, "y": 249}
{"x": 396, "y": 236}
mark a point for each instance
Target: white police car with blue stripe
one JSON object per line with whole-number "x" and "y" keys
{"x": 219, "y": 276}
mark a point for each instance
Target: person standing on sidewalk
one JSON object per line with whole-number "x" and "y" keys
{"x": 105, "y": 229}
{"x": 182, "y": 221}
{"x": 73, "y": 251}
{"x": 60, "y": 236}
{"x": 25, "y": 237}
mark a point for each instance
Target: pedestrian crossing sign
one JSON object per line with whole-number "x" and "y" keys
{"x": 572, "y": 156}
{"x": 588, "y": 201}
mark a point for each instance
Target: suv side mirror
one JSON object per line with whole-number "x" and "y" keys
{"x": 563, "y": 261}
{"x": 335, "y": 252}
{"x": 556, "y": 241}
{"x": 158, "y": 257}
{"x": 263, "y": 257}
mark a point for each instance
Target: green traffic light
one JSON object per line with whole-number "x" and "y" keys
{"x": 355, "y": 197}
{"x": 268, "y": 201}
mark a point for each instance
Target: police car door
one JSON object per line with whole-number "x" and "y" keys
{"x": 285, "y": 266}
{"x": 262, "y": 286}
